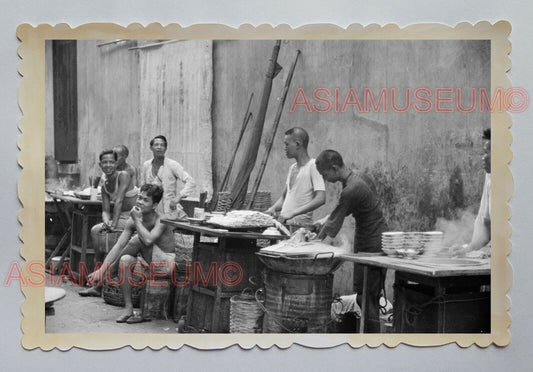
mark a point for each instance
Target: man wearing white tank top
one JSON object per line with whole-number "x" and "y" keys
{"x": 304, "y": 188}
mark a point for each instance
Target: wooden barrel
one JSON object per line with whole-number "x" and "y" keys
{"x": 297, "y": 303}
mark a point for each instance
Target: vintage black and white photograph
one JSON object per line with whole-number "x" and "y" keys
{"x": 271, "y": 186}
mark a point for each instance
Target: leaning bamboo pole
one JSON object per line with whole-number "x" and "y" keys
{"x": 247, "y": 116}
{"x": 240, "y": 185}
{"x": 275, "y": 125}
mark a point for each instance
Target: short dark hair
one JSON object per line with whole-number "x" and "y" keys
{"x": 122, "y": 149}
{"x": 108, "y": 152}
{"x": 486, "y": 134}
{"x": 328, "y": 158}
{"x": 161, "y": 137}
{"x": 300, "y": 134}
{"x": 154, "y": 191}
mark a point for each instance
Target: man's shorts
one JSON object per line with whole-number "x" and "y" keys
{"x": 159, "y": 261}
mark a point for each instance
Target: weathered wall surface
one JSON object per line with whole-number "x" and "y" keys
{"x": 108, "y": 102}
{"x": 129, "y": 96}
{"x": 426, "y": 164}
{"x": 176, "y": 81}
{"x": 414, "y": 156}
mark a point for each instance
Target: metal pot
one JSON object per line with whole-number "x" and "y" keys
{"x": 303, "y": 264}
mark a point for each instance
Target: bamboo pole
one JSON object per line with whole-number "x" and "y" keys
{"x": 247, "y": 116}
{"x": 270, "y": 140}
{"x": 240, "y": 186}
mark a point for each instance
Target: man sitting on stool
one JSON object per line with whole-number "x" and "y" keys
{"x": 118, "y": 188}
{"x": 153, "y": 246}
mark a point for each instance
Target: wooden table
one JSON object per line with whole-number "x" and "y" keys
{"x": 84, "y": 215}
{"x": 209, "y": 304}
{"x": 438, "y": 274}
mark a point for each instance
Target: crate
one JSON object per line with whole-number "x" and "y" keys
{"x": 209, "y": 303}
{"x": 157, "y": 299}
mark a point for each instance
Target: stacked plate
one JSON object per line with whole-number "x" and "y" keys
{"x": 392, "y": 242}
{"x": 412, "y": 245}
{"x": 432, "y": 242}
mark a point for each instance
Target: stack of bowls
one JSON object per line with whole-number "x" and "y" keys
{"x": 391, "y": 242}
{"x": 412, "y": 245}
{"x": 432, "y": 242}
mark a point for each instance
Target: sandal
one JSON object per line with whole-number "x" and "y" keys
{"x": 137, "y": 319}
{"x": 124, "y": 318}
{"x": 91, "y": 292}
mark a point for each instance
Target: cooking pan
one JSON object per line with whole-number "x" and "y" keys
{"x": 321, "y": 263}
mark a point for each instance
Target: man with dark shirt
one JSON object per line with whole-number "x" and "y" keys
{"x": 360, "y": 199}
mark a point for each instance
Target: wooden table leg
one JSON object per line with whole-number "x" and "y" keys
{"x": 191, "y": 283}
{"x": 84, "y": 243}
{"x": 440, "y": 292}
{"x": 65, "y": 239}
{"x": 216, "y": 314}
{"x": 364, "y": 301}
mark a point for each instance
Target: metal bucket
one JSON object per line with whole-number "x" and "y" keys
{"x": 297, "y": 303}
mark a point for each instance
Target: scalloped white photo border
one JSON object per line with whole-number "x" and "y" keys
{"x": 31, "y": 97}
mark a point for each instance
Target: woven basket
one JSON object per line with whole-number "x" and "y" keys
{"x": 261, "y": 202}
{"x": 246, "y": 315}
{"x": 112, "y": 293}
{"x": 223, "y": 202}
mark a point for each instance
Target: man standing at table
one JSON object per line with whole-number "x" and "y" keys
{"x": 117, "y": 188}
{"x": 359, "y": 198}
{"x": 304, "y": 188}
{"x": 166, "y": 173}
{"x": 122, "y": 154}
{"x": 479, "y": 245}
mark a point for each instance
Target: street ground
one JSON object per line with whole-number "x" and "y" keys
{"x": 76, "y": 314}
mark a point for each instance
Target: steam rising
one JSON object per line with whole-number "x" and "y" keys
{"x": 457, "y": 231}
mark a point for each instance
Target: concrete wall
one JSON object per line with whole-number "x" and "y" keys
{"x": 413, "y": 156}
{"x": 129, "y": 96}
{"x": 176, "y": 81}
{"x": 426, "y": 165}
{"x": 108, "y": 102}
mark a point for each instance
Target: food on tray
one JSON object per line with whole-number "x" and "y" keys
{"x": 299, "y": 244}
{"x": 238, "y": 219}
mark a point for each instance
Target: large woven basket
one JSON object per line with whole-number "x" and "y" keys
{"x": 112, "y": 293}
{"x": 246, "y": 315}
{"x": 261, "y": 202}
